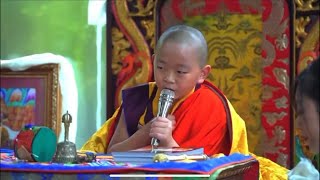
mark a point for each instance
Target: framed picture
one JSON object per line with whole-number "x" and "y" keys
{"x": 31, "y": 96}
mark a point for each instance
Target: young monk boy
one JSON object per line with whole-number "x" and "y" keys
{"x": 201, "y": 115}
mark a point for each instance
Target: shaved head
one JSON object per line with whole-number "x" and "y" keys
{"x": 185, "y": 36}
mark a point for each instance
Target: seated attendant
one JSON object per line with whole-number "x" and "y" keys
{"x": 307, "y": 98}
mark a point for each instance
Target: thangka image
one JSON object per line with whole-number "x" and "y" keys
{"x": 17, "y": 110}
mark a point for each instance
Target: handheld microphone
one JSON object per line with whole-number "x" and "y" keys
{"x": 164, "y": 104}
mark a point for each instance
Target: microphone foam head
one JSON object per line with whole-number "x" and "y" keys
{"x": 167, "y": 95}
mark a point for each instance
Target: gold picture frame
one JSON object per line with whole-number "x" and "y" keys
{"x": 43, "y": 80}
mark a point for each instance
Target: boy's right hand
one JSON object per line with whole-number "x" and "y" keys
{"x": 161, "y": 129}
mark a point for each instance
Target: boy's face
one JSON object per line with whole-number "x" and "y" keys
{"x": 308, "y": 121}
{"x": 176, "y": 67}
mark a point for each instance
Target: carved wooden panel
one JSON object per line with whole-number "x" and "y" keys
{"x": 131, "y": 30}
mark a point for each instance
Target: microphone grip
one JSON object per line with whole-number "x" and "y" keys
{"x": 164, "y": 104}
{"x": 162, "y": 113}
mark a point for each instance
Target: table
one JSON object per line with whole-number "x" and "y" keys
{"x": 235, "y": 166}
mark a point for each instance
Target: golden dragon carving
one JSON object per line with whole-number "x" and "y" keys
{"x": 131, "y": 60}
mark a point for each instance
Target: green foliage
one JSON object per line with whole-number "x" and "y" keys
{"x": 58, "y": 27}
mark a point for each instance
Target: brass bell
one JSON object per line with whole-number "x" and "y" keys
{"x": 66, "y": 150}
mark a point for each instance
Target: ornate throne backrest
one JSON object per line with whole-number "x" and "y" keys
{"x": 250, "y": 50}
